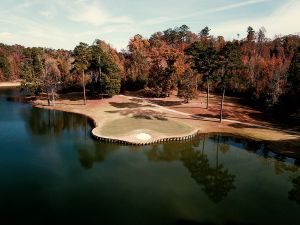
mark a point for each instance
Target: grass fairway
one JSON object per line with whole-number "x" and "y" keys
{"x": 125, "y": 125}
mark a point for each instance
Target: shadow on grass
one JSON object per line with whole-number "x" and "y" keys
{"x": 189, "y": 107}
{"x": 212, "y": 116}
{"x": 136, "y": 100}
{"x": 130, "y": 105}
{"x": 60, "y": 103}
{"x": 239, "y": 125}
{"x": 150, "y": 117}
{"x": 281, "y": 122}
{"x": 122, "y": 105}
{"x": 77, "y": 96}
{"x": 141, "y": 114}
{"x": 165, "y": 103}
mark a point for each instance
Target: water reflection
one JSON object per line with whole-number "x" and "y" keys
{"x": 215, "y": 180}
{"x": 281, "y": 164}
{"x": 95, "y": 153}
{"x": 45, "y": 122}
{"x": 294, "y": 194}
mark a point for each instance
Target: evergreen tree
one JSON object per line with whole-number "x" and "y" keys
{"x": 106, "y": 71}
{"x": 4, "y": 67}
{"x": 204, "y": 59}
{"x": 230, "y": 65}
{"x": 32, "y": 71}
{"x": 187, "y": 86}
{"x": 82, "y": 55}
{"x": 204, "y": 32}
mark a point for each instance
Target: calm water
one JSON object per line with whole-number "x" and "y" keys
{"x": 53, "y": 172}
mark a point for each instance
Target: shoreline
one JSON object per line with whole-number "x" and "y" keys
{"x": 128, "y": 138}
{"x": 10, "y": 84}
{"x": 279, "y": 141}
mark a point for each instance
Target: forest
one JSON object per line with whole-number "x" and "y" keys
{"x": 265, "y": 72}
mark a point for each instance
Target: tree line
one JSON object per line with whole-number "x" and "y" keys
{"x": 264, "y": 71}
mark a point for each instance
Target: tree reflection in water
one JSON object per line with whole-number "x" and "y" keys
{"x": 42, "y": 121}
{"x": 213, "y": 177}
{"x": 216, "y": 181}
{"x": 294, "y": 194}
{"x": 281, "y": 166}
{"x": 220, "y": 181}
{"x": 95, "y": 153}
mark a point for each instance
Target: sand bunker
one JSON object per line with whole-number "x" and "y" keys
{"x": 143, "y": 136}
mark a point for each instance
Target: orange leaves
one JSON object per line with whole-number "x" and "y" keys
{"x": 138, "y": 43}
{"x": 165, "y": 55}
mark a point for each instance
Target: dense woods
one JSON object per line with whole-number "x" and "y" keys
{"x": 264, "y": 71}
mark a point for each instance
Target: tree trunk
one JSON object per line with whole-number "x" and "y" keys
{"x": 207, "y": 95}
{"x": 48, "y": 97}
{"x": 83, "y": 85}
{"x": 196, "y": 84}
{"x": 222, "y": 105}
{"x": 53, "y": 97}
{"x": 94, "y": 80}
{"x": 100, "y": 74}
{"x": 47, "y": 88}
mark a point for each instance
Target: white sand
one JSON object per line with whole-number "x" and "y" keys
{"x": 143, "y": 136}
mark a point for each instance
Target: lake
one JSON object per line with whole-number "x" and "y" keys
{"x": 53, "y": 172}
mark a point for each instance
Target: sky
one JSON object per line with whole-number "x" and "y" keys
{"x": 65, "y": 23}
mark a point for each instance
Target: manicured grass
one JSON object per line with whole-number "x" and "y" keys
{"x": 122, "y": 126}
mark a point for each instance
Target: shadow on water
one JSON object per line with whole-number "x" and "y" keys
{"x": 294, "y": 193}
{"x": 94, "y": 154}
{"x": 215, "y": 180}
{"x": 51, "y": 122}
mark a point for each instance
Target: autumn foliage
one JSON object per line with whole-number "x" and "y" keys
{"x": 264, "y": 71}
